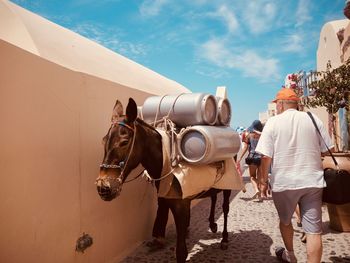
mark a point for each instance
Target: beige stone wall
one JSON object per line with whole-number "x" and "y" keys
{"x": 331, "y": 49}
{"x": 57, "y": 92}
{"x": 75, "y": 52}
{"x": 52, "y": 123}
{"x": 345, "y": 46}
{"x": 329, "y": 44}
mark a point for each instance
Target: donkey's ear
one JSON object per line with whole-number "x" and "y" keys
{"x": 131, "y": 110}
{"x": 117, "y": 111}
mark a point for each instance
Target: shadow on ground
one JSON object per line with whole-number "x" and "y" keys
{"x": 204, "y": 246}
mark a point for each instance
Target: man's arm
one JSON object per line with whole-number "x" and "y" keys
{"x": 244, "y": 150}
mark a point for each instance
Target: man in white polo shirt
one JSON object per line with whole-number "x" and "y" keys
{"x": 293, "y": 148}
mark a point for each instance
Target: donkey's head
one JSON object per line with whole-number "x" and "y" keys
{"x": 120, "y": 151}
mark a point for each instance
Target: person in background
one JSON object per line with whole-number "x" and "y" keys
{"x": 299, "y": 224}
{"x": 297, "y": 213}
{"x": 240, "y": 166}
{"x": 347, "y": 9}
{"x": 292, "y": 145}
{"x": 250, "y": 140}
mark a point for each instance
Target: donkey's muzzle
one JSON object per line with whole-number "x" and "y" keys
{"x": 108, "y": 188}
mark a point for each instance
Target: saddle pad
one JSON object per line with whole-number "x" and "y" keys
{"x": 194, "y": 179}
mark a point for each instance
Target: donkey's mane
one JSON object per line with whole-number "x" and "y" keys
{"x": 143, "y": 123}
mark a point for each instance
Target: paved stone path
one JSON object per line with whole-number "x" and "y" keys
{"x": 253, "y": 235}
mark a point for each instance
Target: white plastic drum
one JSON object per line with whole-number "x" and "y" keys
{"x": 183, "y": 109}
{"x": 224, "y": 112}
{"x": 208, "y": 144}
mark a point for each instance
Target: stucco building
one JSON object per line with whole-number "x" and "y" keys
{"x": 57, "y": 92}
{"x": 333, "y": 47}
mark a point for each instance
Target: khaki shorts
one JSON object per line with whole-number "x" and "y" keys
{"x": 310, "y": 204}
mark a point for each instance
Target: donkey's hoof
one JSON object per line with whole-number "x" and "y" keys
{"x": 213, "y": 227}
{"x": 224, "y": 245}
{"x": 155, "y": 244}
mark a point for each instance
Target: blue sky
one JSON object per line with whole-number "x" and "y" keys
{"x": 247, "y": 46}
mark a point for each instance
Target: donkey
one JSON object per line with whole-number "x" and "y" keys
{"x": 131, "y": 141}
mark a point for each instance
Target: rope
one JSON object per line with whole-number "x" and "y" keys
{"x": 149, "y": 178}
{"x": 135, "y": 177}
{"x": 170, "y": 109}
{"x": 158, "y": 110}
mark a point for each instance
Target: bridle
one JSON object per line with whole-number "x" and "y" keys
{"x": 118, "y": 181}
{"x": 122, "y": 164}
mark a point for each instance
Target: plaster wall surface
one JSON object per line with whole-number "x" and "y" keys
{"x": 51, "y": 132}
{"x": 345, "y": 45}
{"x": 331, "y": 49}
{"x": 329, "y": 44}
{"x": 73, "y": 51}
{"x": 57, "y": 92}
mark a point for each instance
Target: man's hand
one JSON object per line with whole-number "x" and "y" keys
{"x": 264, "y": 175}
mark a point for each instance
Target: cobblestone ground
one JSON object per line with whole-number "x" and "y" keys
{"x": 253, "y": 235}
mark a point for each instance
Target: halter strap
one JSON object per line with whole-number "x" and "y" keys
{"x": 122, "y": 165}
{"x": 122, "y": 123}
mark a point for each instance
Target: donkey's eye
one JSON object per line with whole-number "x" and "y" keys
{"x": 123, "y": 143}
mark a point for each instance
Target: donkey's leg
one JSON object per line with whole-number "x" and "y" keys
{"x": 159, "y": 225}
{"x": 225, "y": 208}
{"x": 212, "y": 225}
{"x": 180, "y": 209}
{"x": 188, "y": 222}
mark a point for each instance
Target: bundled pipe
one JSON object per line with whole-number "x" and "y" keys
{"x": 207, "y": 144}
{"x": 184, "y": 109}
{"x": 205, "y": 136}
{"x": 224, "y": 112}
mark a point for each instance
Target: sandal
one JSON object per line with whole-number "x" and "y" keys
{"x": 279, "y": 254}
{"x": 256, "y": 195}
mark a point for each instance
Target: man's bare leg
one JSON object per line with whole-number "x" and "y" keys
{"x": 314, "y": 248}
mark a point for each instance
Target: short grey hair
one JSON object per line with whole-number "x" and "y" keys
{"x": 291, "y": 101}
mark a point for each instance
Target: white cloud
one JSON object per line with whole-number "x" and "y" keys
{"x": 253, "y": 65}
{"x": 302, "y": 15}
{"x": 152, "y": 7}
{"x": 248, "y": 61}
{"x": 293, "y": 43}
{"x": 212, "y": 72}
{"x": 259, "y": 16}
{"x": 110, "y": 39}
{"x": 215, "y": 52}
{"x": 228, "y": 17}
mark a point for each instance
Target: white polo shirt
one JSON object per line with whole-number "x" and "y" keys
{"x": 294, "y": 145}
